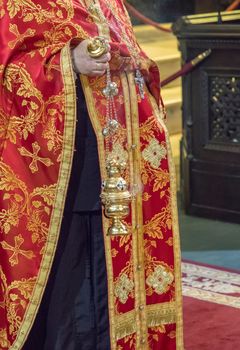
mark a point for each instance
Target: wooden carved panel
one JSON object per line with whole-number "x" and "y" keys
{"x": 224, "y": 109}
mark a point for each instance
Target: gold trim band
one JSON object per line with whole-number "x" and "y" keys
{"x": 157, "y": 315}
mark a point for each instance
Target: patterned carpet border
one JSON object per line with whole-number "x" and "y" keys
{"x": 211, "y": 284}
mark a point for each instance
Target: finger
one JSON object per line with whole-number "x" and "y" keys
{"x": 100, "y": 66}
{"x": 105, "y": 58}
{"x": 97, "y": 73}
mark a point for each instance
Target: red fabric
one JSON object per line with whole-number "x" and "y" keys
{"x": 33, "y": 112}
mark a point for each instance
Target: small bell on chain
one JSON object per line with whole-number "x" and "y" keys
{"x": 111, "y": 128}
{"x": 111, "y": 90}
{"x": 116, "y": 198}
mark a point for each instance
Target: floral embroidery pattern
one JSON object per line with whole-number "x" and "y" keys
{"x": 4, "y": 342}
{"x": 15, "y": 299}
{"x": 36, "y": 129}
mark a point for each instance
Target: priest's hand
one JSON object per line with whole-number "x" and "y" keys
{"x": 84, "y": 64}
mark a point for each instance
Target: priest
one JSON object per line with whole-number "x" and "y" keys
{"x": 89, "y": 245}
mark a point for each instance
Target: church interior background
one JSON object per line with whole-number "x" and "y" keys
{"x": 210, "y": 234}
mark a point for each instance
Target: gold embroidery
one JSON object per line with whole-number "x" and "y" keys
{"x": 9, "y": 217}
{"x": 99, "y": 19}
{"x": 155, "y": 334}
{"x": 125, "y": 325}
{"x": 16, "y": 250}
{"x": 147, "y": 129}
{"x": 15, "y": 300}
{"x": 57, "y": 197}
{"x": 35, "y": 206}
{"x": 123, "y": 288}
{"x": 160, "y": 280}
{"x": 114, "y": 253}
{"x": 7, "y": 129}
{"x": 175, "y": 226}
{"x": 35, "y": 157}
{"x": 9, "y": 182}
{"x": 170, "y": 241}
{"x": 18, "y": 73}
{"x": 162, "y": 314}
{"x": 159, "y": 177}
{"x": 154, "y": 153}
{"x": 17, "y": 78}
{"x": 119, "y": 153}
{"x": 2, "y": 10}
{"x": 146, "y": 196}
{"x": 125, "y": 32}
{"x": 158, "y": 315}
{"x": 172, "y": 334}
{"x": 19, "y": 37}
{"x": 96, "y": 13}
{"x": 130, "y": 341}
{"x": 46, "y": 192}
{"x": 4, "y": 342}
{"x": 30, "y": 10}
{"x": 156, "y": 227}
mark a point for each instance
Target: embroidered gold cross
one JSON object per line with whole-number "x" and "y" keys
{"x": 19, "y": 37}
{"x": 123, "y": 288}
{"x": 35, "y": 157}
{"x": 16, "y": 249}
{"x": 160, "y": 280}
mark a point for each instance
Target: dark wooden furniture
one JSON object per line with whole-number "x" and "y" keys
{"x": 163, "y": 10}
{"x": 171, "y": 10}
{"x": 210, "y": 148}
{"x": 204, "y": 6}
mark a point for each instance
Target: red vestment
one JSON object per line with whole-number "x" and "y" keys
{"x": 37, "y": 129}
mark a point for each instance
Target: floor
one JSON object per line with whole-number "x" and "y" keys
{"x": 210, "y": 242}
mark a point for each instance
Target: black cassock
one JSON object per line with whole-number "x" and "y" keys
{"x": 74, "y": 312}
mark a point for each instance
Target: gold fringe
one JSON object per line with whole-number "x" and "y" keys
{"x": 162, "y": 314}
{"x": 126, "y": 325}
{"x": 157, "y": 315}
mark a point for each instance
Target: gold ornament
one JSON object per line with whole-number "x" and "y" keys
{"x": 116, "y": 198}
{"x": 97, "y": 47}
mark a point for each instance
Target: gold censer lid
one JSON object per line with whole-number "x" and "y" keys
{"x": 97, "y": 47}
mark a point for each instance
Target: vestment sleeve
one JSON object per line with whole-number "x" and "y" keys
{"x": 32, "y": 37}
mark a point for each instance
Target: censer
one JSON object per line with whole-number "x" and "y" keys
{"x": 115, "y": 195}
{"x": 97, "y": 47}
{"x": 116, "y": 198}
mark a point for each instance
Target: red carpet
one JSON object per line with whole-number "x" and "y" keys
{"x": 211, "y": 308}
